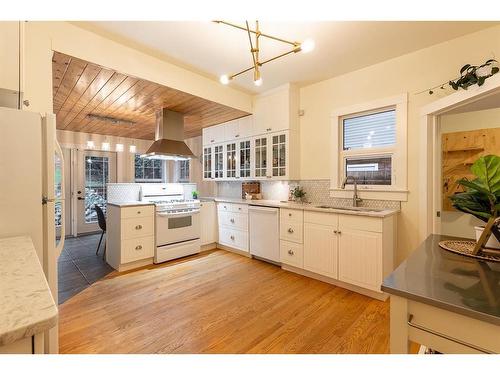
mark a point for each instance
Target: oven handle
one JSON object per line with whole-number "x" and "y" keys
{"x": 174, "y": 214}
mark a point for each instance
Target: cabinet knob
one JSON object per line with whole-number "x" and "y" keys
{"x": 225, "y": 206}
{"x": 138, "y": 247}
{"x": 339, "y": 232}
{"x": 211, "y": 141}
{"x": 290, "y": 252}
{"x": 138, "y": 212}
{"x": 138, "y": 227}
{"x": 232, "y": 221}
{"x": 232, "y": 237}
{"x": 239, "y": 208}
{"x": 335, "y": 231}
{"x": 290, "y": 230}
{"x": 290, "y": 215}
{"x": 237, "y": 135}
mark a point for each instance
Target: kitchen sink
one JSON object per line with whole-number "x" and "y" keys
{"x": 359, "y": 209}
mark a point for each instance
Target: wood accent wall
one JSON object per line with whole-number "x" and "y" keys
{"x": 459, "y": 151}
{"x": 81, "y": 88}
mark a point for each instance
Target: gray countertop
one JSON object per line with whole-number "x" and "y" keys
{"x": 452, "y": 282}
{"x": 300, "y": 206}
{"x": 26, "y": 306}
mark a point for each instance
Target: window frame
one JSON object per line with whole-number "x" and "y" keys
{"x": 179, "y": 169}
{"x": 398, "y": 188}
{"x": 149, "y": 180}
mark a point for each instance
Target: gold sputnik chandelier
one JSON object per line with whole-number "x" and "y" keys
{"x": 304, "y": 47}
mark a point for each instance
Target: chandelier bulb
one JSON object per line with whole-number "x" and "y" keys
{"x": 307, "y": 46}
{"x": 258, "y": 82}
{"x": 224, "y": 79}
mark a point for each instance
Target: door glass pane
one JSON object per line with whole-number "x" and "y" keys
{"x": 245, "y": 159}
{"x": 260, "y": 157}
{"x": 96, "y": 178}
{"x": 58, "y": 189}
{"x": 219, "y": 161}
{"x": 279, "y": 155}
{"x": 231, "y": 159}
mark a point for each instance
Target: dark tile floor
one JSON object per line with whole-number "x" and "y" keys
{"x": 79, "y": 267}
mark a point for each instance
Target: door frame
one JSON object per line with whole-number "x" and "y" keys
{"x": 79, "y": 158}
{"x": 430, "y": 172}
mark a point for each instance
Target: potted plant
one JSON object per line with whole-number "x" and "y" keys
{"x": 195, "y": 194}
{"x": 481, "y": 197}
{"x": 298, "y": 194}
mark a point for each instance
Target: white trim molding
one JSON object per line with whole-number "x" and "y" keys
{"x": 429, "y": 173}
{"x": 399, "y": 189}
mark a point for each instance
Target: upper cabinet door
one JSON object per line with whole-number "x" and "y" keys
{"x": 9, "y": 55}
{"x": 261, "y": 147}
{"x": 208, "y": 163}
{"x": 279, "y": 157}
{"x": 246, "y": 127}
{"x": 213, "y": 134}
{"x": 272, "y": 112}
{"x": 245, "y": 158}
{"x": 231, "y": 130}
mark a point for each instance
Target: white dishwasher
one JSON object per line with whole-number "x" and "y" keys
{"x": 264, "y": 229}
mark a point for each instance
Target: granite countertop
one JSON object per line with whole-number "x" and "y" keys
{"x": 301, "y": 206}
{"x": 27, "y": 306}
{"x": 130, "y": 204}
{"x": 450, "y": 281}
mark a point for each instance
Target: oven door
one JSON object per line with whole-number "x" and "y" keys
{"x": 177, "y": 227}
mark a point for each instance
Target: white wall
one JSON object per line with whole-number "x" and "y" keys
{"x": 410, "y": 73}
{"x": 456, "y": 223}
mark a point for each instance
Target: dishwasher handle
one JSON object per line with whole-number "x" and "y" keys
{"x": 263, "y": 209}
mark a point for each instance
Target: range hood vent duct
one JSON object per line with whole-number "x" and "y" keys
{"x": 169, "y": 138}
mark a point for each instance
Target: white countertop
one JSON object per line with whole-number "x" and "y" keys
{"x": 130, "y": 204}
{"x": 302, "y": 206}
{"x": 26, "y": 306}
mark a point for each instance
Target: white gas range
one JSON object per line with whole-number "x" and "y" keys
{"x": 177, "y": 221}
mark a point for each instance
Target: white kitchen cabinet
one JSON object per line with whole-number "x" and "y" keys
{"x": 276, "y": 110}
{"x": 219, "y": 162}
{"x": 231, "y": 130}
{"x": 130, "y": 236}
{"x": 208, "y": 162}
{"x": 245, "y": 159}
{"x": 320, "y": 244}
{"x": 360, "y": 258}
{"x": 231, "y": 160}
{"x": 10, "y": 63}
{"x": 213, "y": 134}
{"x": 272, "y": 156}
{"x": 233, "y": 225}
{"x": 245, "y": 127}
{"x": 208, "y": 217}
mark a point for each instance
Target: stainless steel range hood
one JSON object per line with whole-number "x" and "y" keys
{"x": 169, "y": 139}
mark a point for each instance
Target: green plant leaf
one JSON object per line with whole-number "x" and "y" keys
{"x": 494, "y": 70}
{"x": 487, "y": 170}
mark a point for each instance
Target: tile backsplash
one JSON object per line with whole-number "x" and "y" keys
{"x": 317, "y": 192}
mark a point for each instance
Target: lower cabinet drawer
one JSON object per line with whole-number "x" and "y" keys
{"x": 291, "y": 231}
{"x": 292, "y": 253}
{"x": 234, "y": 220}
{"x": 137, "y": 249}
{"x": 233, "y": 238}
{"x": 137, "y": 227}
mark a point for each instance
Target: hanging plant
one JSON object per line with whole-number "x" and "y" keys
{"x": 472, "y": 74}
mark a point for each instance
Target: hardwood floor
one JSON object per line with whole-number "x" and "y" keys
{"x": 220, "y": 302}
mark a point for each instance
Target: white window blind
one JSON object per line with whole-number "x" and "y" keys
{"x": 369, "y": 131}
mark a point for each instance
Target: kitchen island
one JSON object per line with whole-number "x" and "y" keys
{"x": 445, "y": 301}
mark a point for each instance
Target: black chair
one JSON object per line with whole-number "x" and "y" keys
{"x": 102, "y": 224}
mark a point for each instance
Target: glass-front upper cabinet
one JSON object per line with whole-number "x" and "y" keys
{"x": 279, "y": 155}
{"x": 219, "y": 161}
{"x": 207, "y": 162}
{"x": 245, "y": 159}
{"x": 260, "y": 147}
{"x": 231, "y": 160}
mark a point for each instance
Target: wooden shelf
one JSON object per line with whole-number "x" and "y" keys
{"x": 466, "y": 149}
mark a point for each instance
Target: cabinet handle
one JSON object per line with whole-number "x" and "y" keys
{"x": 268, "y": 129}
{"x": 269, "y": 176}
{"x": 290, "y": 215}
{"x": 225, "y": 206}
{"x": 138, "y": 212}
{"x": 339, "y": 232}
{"x": 138, "y": 227}
{"x": 212, "y": 141}
{"x": 232, "y": 221}
{"x": 236, "y": 136}
{"x": 336, "y": 231}
{"x": 232, "y": 237}
{"x": 290, "y": 230}
{"x": 290, "y": 252}
{"x": 138, "y": 247}
{"x": 239, "y": 208}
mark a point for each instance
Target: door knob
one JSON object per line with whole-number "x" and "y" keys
{"x": 290, "y": 252}
{"x": 290, "y": 230}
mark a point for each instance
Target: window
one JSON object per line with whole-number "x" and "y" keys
{"x": 149, "y": 170}
{"x": 183, "y": 170}
{"x": 369, "y": 144}
{"x": 373, "y": 133}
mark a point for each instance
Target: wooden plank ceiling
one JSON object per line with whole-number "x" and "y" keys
{"x": 81, "y": 88}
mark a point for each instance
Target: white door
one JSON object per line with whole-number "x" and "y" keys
{"x": 95, "y": 169}
{"x": 360, "y": 258}
{"x": 320, "y": 249}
